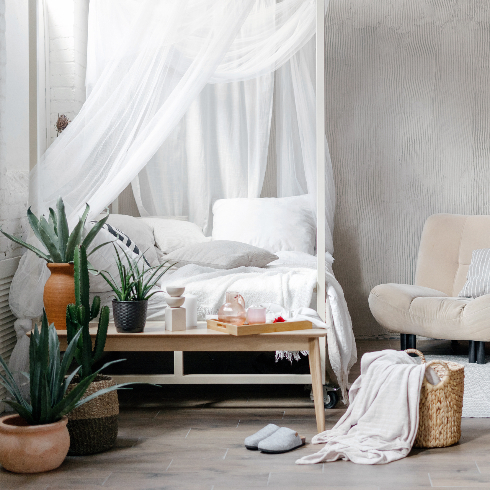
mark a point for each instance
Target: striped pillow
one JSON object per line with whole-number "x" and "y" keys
{"x": 478, "y": 277}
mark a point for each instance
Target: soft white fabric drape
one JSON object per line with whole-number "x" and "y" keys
{"x": 163, "y": 72}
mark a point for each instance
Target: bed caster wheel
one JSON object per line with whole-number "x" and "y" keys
{"x": 330, "y": 399}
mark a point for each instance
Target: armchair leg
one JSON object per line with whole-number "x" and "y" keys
{"x": 480, "y": 352}
{"x": 403, "y": 341}
{"x": 471, "y": 351}
{"x": 411, "y": 341}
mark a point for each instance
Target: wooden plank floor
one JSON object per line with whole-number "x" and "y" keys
{"x": 192, "y": 438}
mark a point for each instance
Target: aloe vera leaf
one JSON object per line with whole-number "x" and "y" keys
{"x": 22, "y": 411}
{"x": 34, "y": 222}
{"x": 73, "y": 240}
{"x": 53, "y": 219}
{"x": 21, "y": 242}
{"x": 50, "y": 241}
{"x": 63, "y": 231}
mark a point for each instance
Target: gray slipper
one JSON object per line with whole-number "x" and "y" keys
{"x": 252, "y": 442}
{"x": 282, "y": 441}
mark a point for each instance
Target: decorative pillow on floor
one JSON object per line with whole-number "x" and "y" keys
{"x": 104, "y": 258}
{"x": 171, "y": 234}
{"x": 222, "y": 254}
{"x": 478, "y": 277}
{"x": 275, "y": 224}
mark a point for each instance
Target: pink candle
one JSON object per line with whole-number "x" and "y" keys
{"x": 255, "y": 315}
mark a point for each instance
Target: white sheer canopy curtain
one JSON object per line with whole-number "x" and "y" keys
{"x": 188, "y": 86}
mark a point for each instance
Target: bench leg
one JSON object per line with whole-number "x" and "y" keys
{"x": 316, "y": 382}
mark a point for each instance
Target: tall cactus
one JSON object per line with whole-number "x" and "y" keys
{"x": 79, "y": 316}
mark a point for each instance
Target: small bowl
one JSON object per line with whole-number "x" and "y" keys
{"x": 174, "y": 302}
{"x": 175, "y": 291}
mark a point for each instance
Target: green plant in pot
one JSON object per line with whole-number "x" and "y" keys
{"x": 59, "y": 244}
{"x": 36, "y": 438}
{"x": 93, "y": 427}
{"x": 135, "y": 286}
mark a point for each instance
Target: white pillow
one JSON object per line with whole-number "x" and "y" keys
{"x": 222, "y": 254}
{"x": 478, "y": 276}
{"x": 139, "y": 231}
{"x": 274, "y": 224}
{"x": 171, "y": 234}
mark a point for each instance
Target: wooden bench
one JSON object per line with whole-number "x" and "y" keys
{"x": 156, "y": 339}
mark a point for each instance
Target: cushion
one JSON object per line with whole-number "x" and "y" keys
{"x": 478, "y": 276}
{"x": 421, "y": 311}
{"x": 171, "y": 234}
{"x": 222, "y": 254}
{"x": 105, "y": 257}
{"x": 139, "y": 231}
{"x": 274, "y": 224}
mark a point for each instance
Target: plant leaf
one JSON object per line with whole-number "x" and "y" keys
{"x": 50, "y": 241}
{"x": 93, "y": 232}
{"x": 63, "y": 231}
{"x": 74, "y": 240}
{"x": 34, "y": 222}
{"x": 21, "y": 242}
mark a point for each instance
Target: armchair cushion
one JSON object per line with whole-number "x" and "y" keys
{"x": 423, "y": 311}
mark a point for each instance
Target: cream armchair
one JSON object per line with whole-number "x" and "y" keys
{"x": 431, "y": 307}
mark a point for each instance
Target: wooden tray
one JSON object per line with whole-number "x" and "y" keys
{"x": 258, "y": 327}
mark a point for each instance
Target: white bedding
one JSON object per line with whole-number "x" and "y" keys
{"x": 289, "y": 282}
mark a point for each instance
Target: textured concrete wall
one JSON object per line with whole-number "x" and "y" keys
{"x": 408, "y": 121}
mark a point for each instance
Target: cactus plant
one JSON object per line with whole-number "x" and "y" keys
{"x": 49, "y": 400}
{"x": 54, "y": 234}
{"x": 80, "y": 314}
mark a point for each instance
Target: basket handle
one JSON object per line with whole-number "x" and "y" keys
{"x": 416, "y": 351}
{"x": 443, "y": 364}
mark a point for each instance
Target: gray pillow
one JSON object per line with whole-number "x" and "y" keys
{"x": 478, "y": 277}
{"x": 222, "y": 254}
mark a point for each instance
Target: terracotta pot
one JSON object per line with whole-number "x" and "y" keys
{"x": 32, "y": 448}
{"x": 59, "y": 291}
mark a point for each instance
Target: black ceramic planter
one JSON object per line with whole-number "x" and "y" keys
{"x": 129, "y": 316}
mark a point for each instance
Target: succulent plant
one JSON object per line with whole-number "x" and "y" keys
{"x": 136, "y": 282}
{"x": 80, "y": 314}
{"x": 54, "y": 234}
{"x": 49, "y": 400}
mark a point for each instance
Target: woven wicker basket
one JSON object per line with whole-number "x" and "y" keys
{"x": 93, "y": 427}
{"x": 441, "y": 405}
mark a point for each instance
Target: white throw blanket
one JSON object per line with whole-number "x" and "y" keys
{"x": 288, "y": 282}
{"x": 381, "y": 422}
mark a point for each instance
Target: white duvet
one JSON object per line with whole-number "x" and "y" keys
{"x": 288, "y": 282}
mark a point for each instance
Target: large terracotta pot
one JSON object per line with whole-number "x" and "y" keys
{"x": 32, "y": 448}
{"x": 59, "y": 291}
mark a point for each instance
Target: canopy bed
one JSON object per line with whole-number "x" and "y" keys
{"x": 182, "y": 100}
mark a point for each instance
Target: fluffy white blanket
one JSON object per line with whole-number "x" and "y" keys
{"x": 288, "y": 282}
{"x": 381, "y": 422}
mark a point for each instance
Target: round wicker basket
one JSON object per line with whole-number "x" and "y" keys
{"x": 93, "y": 427}
{"x": 441, "y": 405}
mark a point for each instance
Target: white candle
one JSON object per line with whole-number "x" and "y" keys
{"x": 190, "y": 304}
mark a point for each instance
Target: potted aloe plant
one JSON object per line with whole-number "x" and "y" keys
{"x": 133, "y": 290}
{"x": 59, "y": 244}
{"x": 93, "y": 428}
{"x": 36, "y": 439}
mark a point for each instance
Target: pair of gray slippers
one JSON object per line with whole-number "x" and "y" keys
{"x": 274, "y": 440}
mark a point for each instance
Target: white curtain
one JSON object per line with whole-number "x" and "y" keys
{"x": 185, "y": 85}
